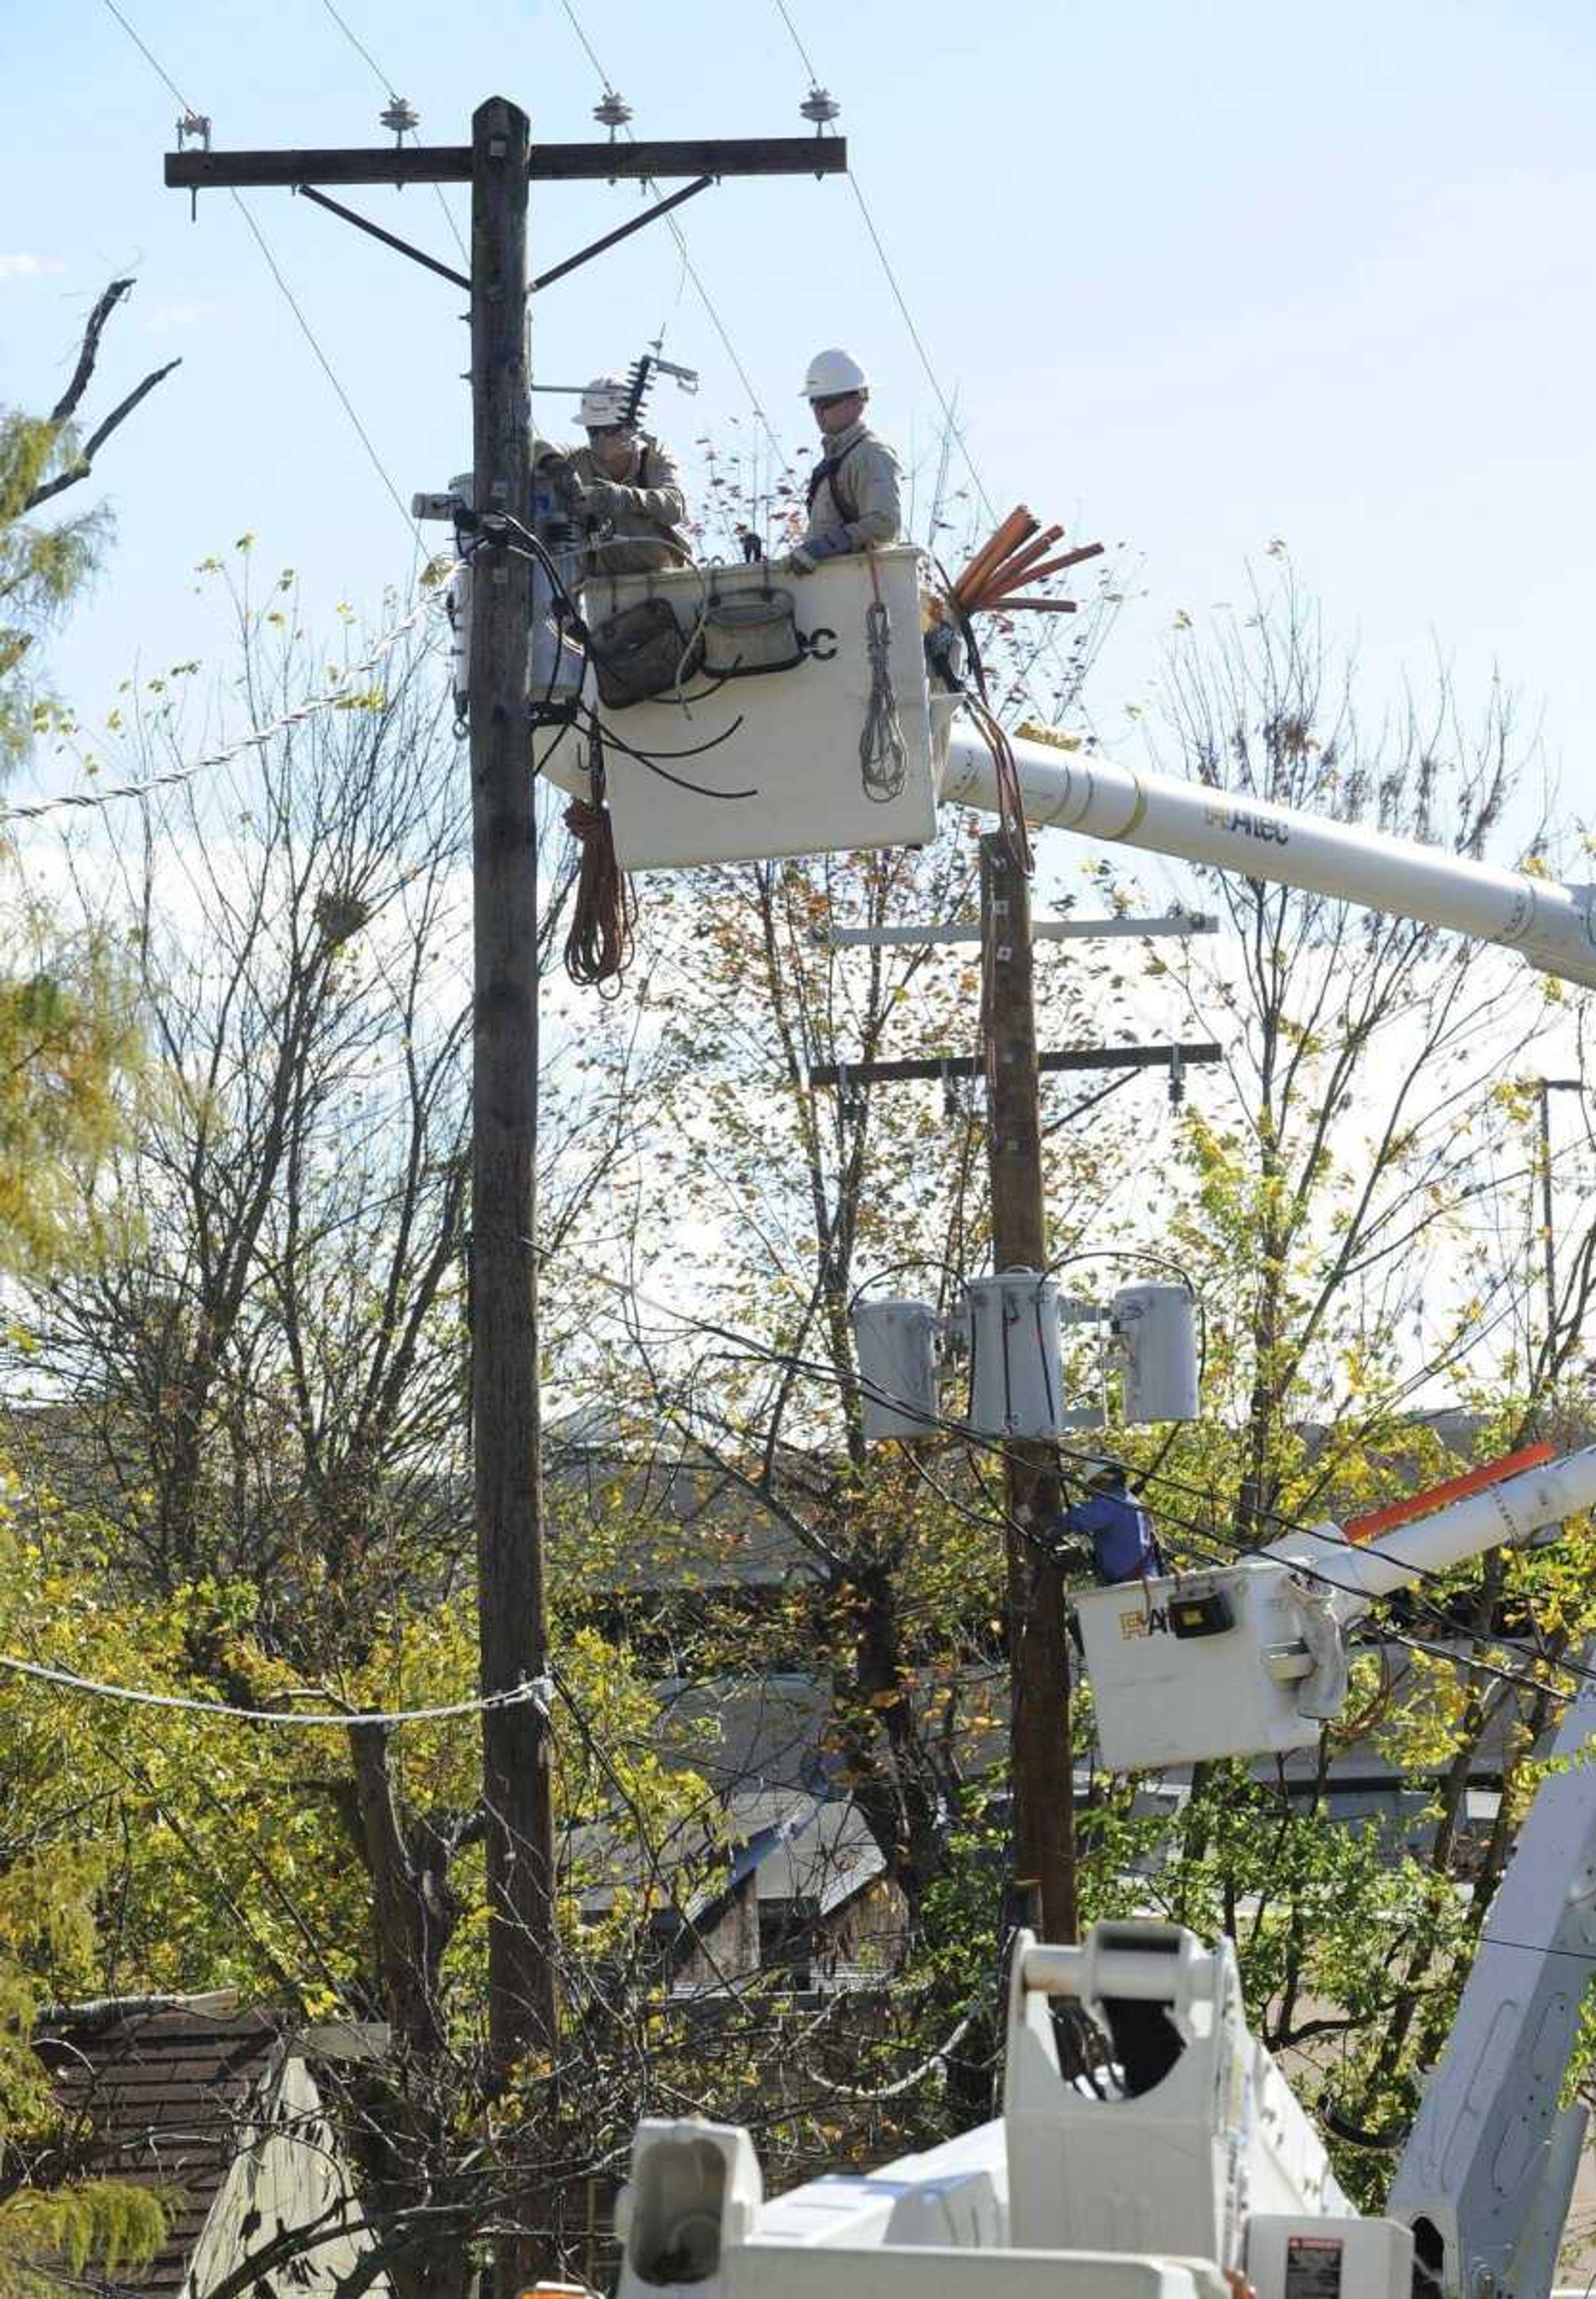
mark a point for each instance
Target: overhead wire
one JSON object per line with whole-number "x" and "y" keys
{"x": 536, "y": 1690}
{"x": 332, "y": 698}
{"x": 360, "y": 49}
{"x": 309, "y": 333}
{"x": 1049, "y": 641}
{"x": 1079, "y": 1463}
{"x": 784, "y": 460}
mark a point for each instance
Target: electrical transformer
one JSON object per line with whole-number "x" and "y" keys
{"x": 897, "y": 1345}
{"x": 1014, "y": 1379}
{"x": 1158, "y": 1327}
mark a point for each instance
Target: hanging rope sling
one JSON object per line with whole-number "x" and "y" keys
{"x": 882, "y": 753}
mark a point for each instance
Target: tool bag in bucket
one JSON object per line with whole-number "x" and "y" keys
{"x": 638, "y": 653}
{"x": 751, "y": 632}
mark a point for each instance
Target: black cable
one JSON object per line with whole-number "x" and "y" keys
{"x": 698, "y": 790}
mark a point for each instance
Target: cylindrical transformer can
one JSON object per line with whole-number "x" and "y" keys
{"x": 1158, "y": 1325}
{"x": 1014, "y": 1384}
{"x": 896, "y": 1341}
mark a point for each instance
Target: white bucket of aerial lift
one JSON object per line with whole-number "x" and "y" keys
{"x": 897, "y": 1343}
{"x": 1205, "y": 1665}
{"x": 1156, "y": 1324}
{"x": 756, "y": 768}
{"x": 1014, "y": 1367}
{"x": 1250, "y": 1659}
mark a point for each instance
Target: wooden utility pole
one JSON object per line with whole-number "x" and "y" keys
{"x": 505, "y": 1404}
{"x": 1041, "y": 1764}
{"x": 499, "y": 163}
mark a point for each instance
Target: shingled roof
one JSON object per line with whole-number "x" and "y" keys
{"x": 165, "y": 2097}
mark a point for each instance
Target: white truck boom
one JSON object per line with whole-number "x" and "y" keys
{"x": 1488, "y": 2170}
{"x": 1548, "y": 923}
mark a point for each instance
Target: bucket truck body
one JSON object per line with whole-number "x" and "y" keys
{"x": 1187, "y": 2168}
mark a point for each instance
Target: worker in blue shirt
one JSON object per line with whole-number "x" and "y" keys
{"x": 1124, "y": 1546}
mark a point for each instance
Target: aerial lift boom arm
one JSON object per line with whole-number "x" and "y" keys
{"x": 1548, "y": 923}
{"x": 1487, "y": 2173}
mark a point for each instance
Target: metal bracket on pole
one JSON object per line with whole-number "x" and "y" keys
{"x": 622, "y": 231}
{"x": 848, "y": 1077}
{"x": 388, "y": 238}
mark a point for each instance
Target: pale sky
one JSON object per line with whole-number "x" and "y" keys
{"x": 1200, "y": 276}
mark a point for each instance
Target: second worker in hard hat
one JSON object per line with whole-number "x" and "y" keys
{"x": 623, "y": 488}
{"x": 1124, "y": 1546}
{"x": 855, "y": 489}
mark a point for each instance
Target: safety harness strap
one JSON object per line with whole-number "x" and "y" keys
{"x": 827, "y": 469}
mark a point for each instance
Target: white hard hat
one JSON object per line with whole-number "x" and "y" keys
{"x": 832, "y": 373}
{"x": 605, "y": 402}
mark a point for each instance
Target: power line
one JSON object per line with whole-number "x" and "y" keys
{"x": 1048, "y": 643}
{"x": 537, "y": 1691}
{"x": 688, "y": 265}
{"x": 335, "y": 696}
{"x": 387, "y": 84}
{"x": 155, "y": 65}
{"x": 804, "y": 56}
{"x": 814, "y": 1370}
{"x": 308, "y": 331}
{"x": 360, "y": 48}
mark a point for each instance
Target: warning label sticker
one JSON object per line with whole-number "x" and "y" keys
{"x": 1313, "y": 2267}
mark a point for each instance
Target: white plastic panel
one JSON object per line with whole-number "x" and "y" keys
{"x": 791, "y": 737}
{"x": 765, "y": 2272}
{"x": 1329, "y": 2259}
{"x": 1163, "y": 1699}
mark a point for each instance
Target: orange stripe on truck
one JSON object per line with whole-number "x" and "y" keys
{"x": 1456, "y": 1489}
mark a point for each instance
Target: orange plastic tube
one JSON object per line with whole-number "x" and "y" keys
{"x": 1016, "y": 528}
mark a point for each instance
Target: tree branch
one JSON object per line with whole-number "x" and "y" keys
{"x": 67, "y": 405}
{"x": 81, "y": 469}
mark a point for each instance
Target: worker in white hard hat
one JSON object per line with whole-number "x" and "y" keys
{"x": 623, "y": 487}
{"x": 855, "y": 498}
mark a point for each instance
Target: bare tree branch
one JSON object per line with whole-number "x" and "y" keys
{"x": 67, "y": 405}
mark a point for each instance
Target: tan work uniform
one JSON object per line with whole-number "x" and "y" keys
{"x": 647, "y": 510}
{"x": 855, "y": 502}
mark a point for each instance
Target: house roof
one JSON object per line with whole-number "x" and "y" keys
{"x": 161, "y": 2098}
{"x": 796, "y": 1847}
